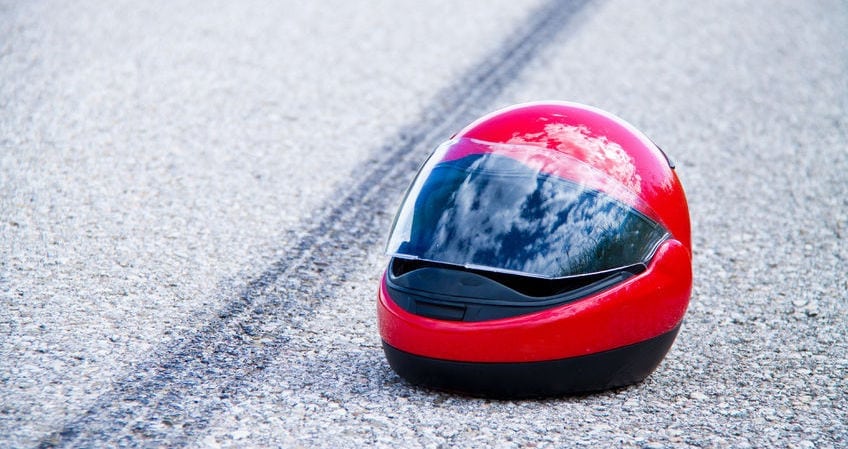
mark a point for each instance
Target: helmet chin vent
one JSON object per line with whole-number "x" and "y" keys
{"x": 453, "y": 293}
{"x": 531, "y": 287}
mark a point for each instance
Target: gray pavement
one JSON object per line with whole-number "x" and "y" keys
{"x": 193, "y": 200}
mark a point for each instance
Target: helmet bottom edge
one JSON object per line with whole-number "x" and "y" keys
{"x": 515, "y": 380}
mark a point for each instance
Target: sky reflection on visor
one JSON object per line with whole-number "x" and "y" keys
{"x": 488, "y": 210}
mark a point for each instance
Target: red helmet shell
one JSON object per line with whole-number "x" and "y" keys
{"x": 643, "y": 307}
{"x": 601, "y": 140}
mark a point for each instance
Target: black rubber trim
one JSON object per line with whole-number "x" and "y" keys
{"x": 667, "y": 158}
{"x": 584, "y": 374}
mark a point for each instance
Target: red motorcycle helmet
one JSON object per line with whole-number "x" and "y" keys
{"x": 543, "y": 250}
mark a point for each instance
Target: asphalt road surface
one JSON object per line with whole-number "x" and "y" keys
{"x": 194, "y": 197}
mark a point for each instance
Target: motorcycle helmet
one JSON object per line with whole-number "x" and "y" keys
{"x": 543, "y": 250}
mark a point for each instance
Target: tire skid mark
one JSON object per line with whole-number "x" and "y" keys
{"x": 170, "y": 398}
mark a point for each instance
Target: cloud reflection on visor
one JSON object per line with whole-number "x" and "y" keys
{"x": 489, "y": 210}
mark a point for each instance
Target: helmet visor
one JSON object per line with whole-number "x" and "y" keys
{"x": 523, "y": 210}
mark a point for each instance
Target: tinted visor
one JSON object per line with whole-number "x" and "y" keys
{"x": 522, "y": 210}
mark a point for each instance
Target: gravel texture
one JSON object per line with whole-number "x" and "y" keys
{"x": 177, "y": 268}
{"x": 154, "y": 157}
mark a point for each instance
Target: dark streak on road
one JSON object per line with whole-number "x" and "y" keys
{"x": 218, "y": 362}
